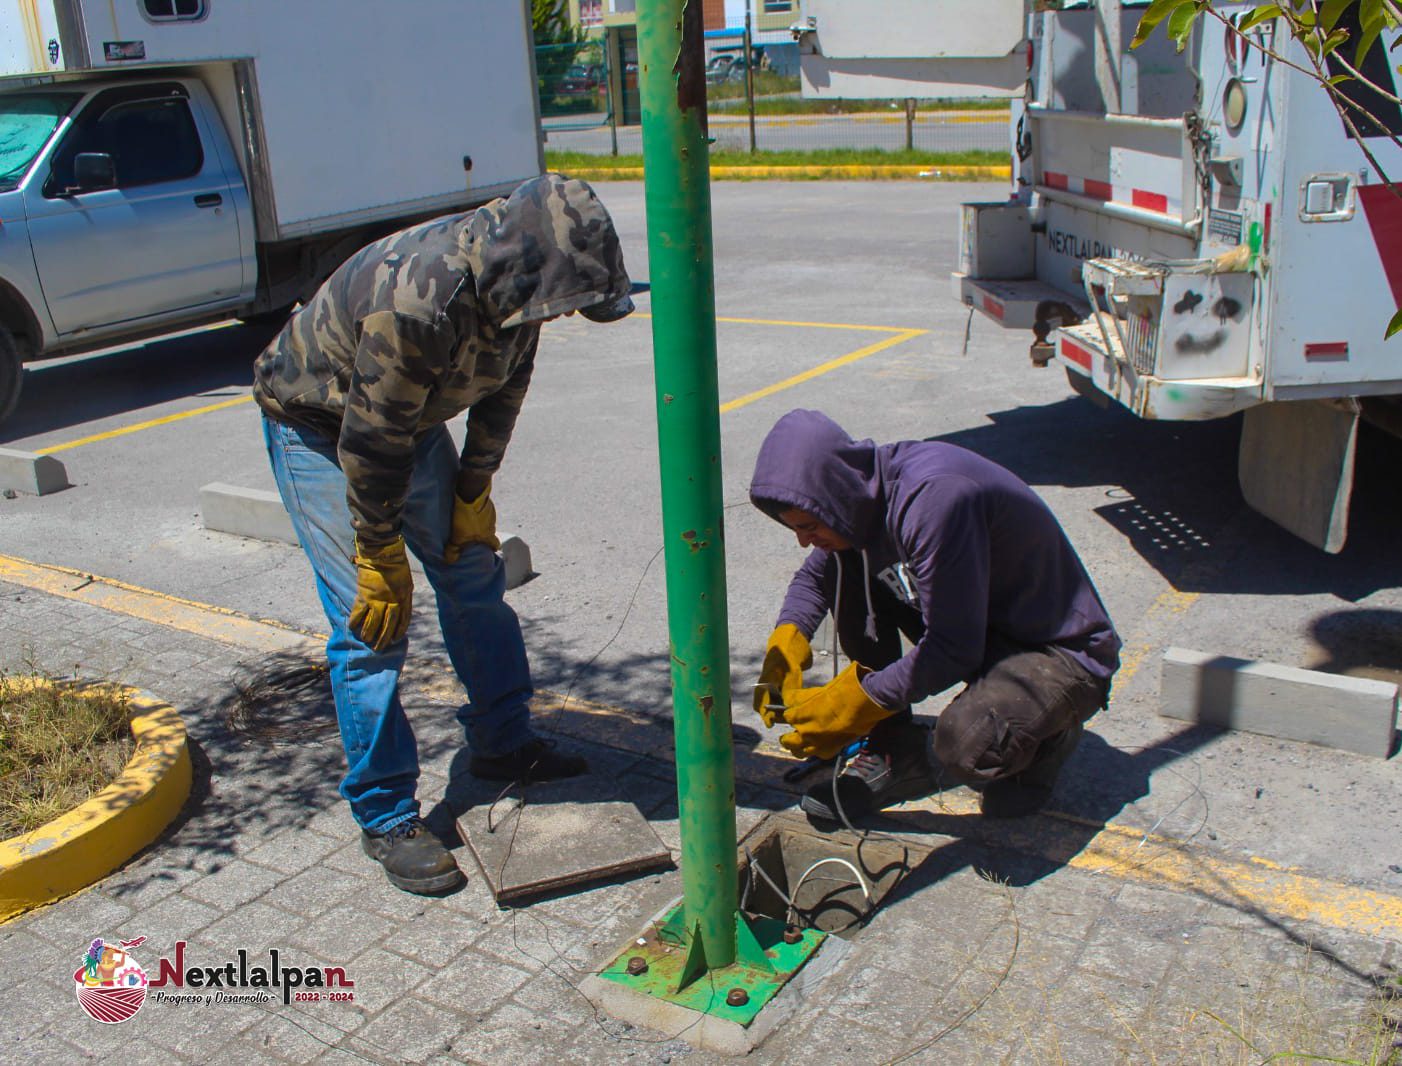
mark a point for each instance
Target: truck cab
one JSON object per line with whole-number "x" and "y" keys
{"x": 168, "y": 164}
{"x": 122, "y": 204}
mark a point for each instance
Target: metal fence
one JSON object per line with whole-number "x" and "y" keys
{"x": 588, "y": 104}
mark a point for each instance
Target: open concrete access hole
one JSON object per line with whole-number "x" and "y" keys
{"x": 829, "y": 881}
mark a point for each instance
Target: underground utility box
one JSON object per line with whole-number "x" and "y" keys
{"x": 803, "y": 893}
{"x": 812, "y": 879}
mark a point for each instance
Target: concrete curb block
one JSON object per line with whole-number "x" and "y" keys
{"x": 34, "y": 475}
{"x": 89, "y": 842}
{"x": 516, "y": 553}
{"x": 928, "y": 171}
{"x": 1349, "y": 713}
{"x": 255, "y": 513}
{"x": 259, "y": 514}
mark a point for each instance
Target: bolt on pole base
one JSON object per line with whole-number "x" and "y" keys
{"x": 669, "y": 964}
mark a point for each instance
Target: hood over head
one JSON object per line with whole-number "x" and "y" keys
{"x": 809, "y": 462}
{"x": 547, "y": 249}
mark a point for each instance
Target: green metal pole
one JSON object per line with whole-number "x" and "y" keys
{"x": 671, "y": 64}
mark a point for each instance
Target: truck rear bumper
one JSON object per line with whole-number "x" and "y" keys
{"x": 1081, "y": 351}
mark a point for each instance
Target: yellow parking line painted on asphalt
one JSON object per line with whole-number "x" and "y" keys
{"x": 189, "y": 616}
{"x": 900, "y": 336}
{"x": 1258, "y": 886}
{"x": 1132, "y": 656}
{"x": 832, "y": 364}
{"x": 138, "y": 427}
{"x": 1253, "y": 886}
{"x": 223, "y": 404}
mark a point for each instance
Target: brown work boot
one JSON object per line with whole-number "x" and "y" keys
{"x": 413, "y": 858}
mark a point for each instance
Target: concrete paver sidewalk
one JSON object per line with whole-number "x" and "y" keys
{"x": 996, "y": 948}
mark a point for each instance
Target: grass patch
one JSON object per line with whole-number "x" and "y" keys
{"x": 59, "y": 745}
{"x": 566, "y": 161}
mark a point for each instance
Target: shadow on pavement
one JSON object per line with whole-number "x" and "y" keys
{"x": 210, "y": 364}
{"x": 1178, "y": 504}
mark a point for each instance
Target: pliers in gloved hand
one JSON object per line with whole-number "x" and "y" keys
{"x": 774, "y": 703}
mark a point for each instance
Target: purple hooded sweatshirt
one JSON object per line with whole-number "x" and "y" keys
{"x": 956, "y": 535}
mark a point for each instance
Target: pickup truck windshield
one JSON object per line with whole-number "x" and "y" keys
{"x": 26, "y": 122}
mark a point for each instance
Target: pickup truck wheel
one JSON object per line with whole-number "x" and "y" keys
{"x": 11, "y": 374}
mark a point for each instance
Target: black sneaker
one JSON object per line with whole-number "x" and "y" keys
{"x": 1027, "y": 793}
{"x": 884, "y": 772}
{"x": 535, "y": 760}
{"x": 414, "y": 859}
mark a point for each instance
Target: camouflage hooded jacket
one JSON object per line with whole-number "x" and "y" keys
{"x": 431, "y": 321}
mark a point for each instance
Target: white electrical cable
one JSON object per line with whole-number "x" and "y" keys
{"x": 861, "y": 881}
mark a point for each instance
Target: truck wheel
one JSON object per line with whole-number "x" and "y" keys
{"x": 11, "y": 374}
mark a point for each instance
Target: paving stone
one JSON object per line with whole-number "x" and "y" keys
{"x": 340, "y": 927}
{"x": 153, "y": 879}
{"x": 315, "y": 891}
{"x": 173, "y": 918}
{"x": 28, "y": 957}
{"x": 187, "y": 1029}
{"x": 410, "y": 1031}
{"x": 381, "y": 978}
{"x": 255, "y": 927}
{"x": 512, "y": 1036}
{"x": 236, "y": 883}
{"x": 91, "y": 909}
{"x": 292, "y": 851}
{"x": 286, "y": 1036}
{"x": 553, "y": 993}
{"x": 473, "y": 983}
{"x": 522, "y": 942}
{"x": 434, "y": 938}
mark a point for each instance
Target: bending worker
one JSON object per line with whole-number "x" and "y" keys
{"x": 928, "y": 540}
{"x": 412, "y": 330}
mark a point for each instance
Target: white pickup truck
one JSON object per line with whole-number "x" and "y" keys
{"x": 165, "y": 163}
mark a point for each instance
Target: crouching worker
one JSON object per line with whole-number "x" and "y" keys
{"x": 928, "y": 540}
{"x": 411, "y": 331}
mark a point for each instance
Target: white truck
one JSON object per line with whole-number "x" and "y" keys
{"x": 1189, "y": 234}
{"x": 165, "y": 163}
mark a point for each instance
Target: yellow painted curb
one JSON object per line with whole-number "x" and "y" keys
{"x": 90, "y": 841}
{"x": 929, "y": 172}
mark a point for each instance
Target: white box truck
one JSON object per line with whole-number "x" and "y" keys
{"x": 1189, "y": 234}
{"x": 165, "y": 163}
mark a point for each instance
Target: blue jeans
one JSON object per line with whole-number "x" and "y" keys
{"x": 481, "y": 632}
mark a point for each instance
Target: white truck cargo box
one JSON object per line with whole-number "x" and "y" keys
{"x": 342, "y": 101}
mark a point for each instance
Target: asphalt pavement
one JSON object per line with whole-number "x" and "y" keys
{"x": 1195, "y": 896}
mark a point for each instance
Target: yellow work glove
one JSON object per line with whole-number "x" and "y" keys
{"x": 825, "y": 720}
{"x": 384, "y": 594}
{"x": 474, "y": 522}
{"x": 785, "y": 658}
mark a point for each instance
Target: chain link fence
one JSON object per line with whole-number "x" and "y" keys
{"x": 589, "y": 104}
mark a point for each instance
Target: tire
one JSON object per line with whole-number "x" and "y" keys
{"x": 11, "y": 374}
